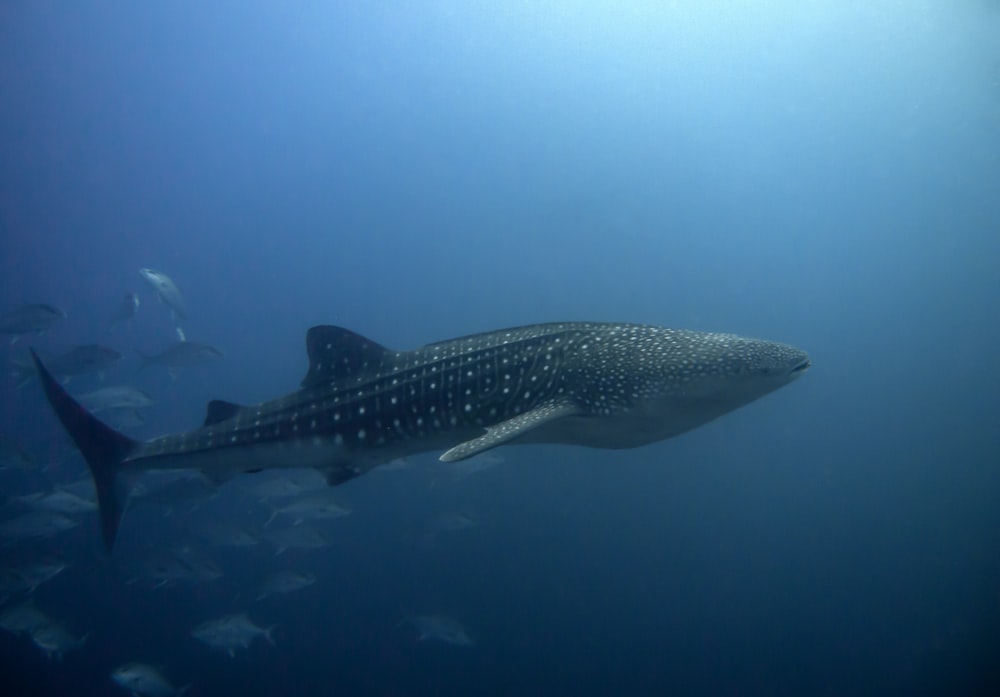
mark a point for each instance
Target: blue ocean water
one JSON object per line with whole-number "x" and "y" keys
{"x": 821, "y": 173}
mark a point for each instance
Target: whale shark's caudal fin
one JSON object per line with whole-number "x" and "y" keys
{"x": 102, "y": 447}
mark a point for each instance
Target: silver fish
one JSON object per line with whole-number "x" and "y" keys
{"x": 59, "y": 501}
{"x": 181, "y": 565}
{"x": 295, "y": 537}
{"x": 170, "y": 488}
{"x": 285, "y": 581}
{"x": 55, "y": 640}
{"x": 114, "y": 397}
{"x": 23, "y": 618}
{"x": 144, "y": 680}
{"x": 80, "y": 360}
{"x": 227, "y": 535}
{"x": 125, "y": 311}
{"x": 441, "y": 628}
{"x": 286, "y": 484}
{"x": 15, "y": 456}
{"x": 29, "y": 575}
{"x": 182, "y": 354}
{"x": 231, "y": 633}
{"x": 166, "y": 290}
{"x": 452, "y": 522}
{"x": 35, "y": 525}
{"x": 30, "y": 319}
{"x": 318, "y": 506}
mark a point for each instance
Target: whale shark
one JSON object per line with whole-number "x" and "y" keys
{"x": 361, "y": 404}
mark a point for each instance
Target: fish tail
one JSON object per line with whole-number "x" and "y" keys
{"x": 102, "y": 447}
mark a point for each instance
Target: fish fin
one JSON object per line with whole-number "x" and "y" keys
{"x": 508, "y": 430}
{"x": 220, "y": 410}
{"x": 336, "y": 353}
{"x": 102, "y": 447}
{"x": 180, "y": 334}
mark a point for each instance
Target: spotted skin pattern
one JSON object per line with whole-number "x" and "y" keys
{"x": 361, "y": 404}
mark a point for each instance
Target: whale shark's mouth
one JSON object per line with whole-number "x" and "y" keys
{"x": 802, "y": 367}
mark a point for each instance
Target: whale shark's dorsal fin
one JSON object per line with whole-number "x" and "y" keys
{"x": 336, "y": 353}
{"x": 220, "y": 410}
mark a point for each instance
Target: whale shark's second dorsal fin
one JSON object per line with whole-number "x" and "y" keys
{"x": 336, "y": 353}
{"x": 220, "y": 410}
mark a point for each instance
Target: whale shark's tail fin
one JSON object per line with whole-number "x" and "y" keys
{"x": 102, "y": 447}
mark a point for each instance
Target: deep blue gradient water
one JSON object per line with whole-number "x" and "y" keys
{"x": 821, "y": 173}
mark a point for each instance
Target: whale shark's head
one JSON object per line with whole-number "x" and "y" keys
{"x": 722, "y": 371}
{"x": 654, "y": 383}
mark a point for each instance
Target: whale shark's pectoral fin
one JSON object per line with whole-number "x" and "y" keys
{"x": 508, "y": 430}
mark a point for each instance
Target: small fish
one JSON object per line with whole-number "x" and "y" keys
{"x": 166, "y": 290}
{"x": 399, "y": 464}
{"x": 285, "y": 581}
{"x": 30, "y": 575}
{"x": 59, "y": 501}
{"x": 144, "y": 680}
{"x": 30, "y": 319}
{"x": 444, "y": 524}
{"x": 126, "y": 310}
{"x": 440, "y": 628}
{"x": 170, "y": 488}
{"x": 81, "y": 360}
{"x": 295, "y": 537}
{"x": 35, "y": 525}
{"x": 319, "y": 506}
{"x": 23, "y": 618}
{"x": 55, "y": 640}
{"x": 230, "y": 633}
{"x": 114, "y": 397}
{"x": 286, "y": 484}
{"x": 123, "y": 419}
{"x": 14, "y": 456}
{"x": 452, "y": 522}
{"x": 178, "y": 565}
{"x": 227, "y": 535}
{"x": 83, "y": 488}
{"x": 181, "y": 354}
